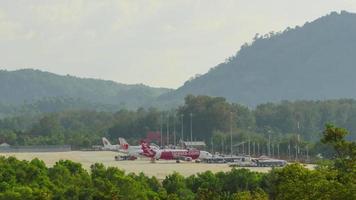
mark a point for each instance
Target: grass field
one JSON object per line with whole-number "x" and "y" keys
{"x": 159, "y": 169}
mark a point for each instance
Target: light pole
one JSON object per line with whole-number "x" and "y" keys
{"x": 191, "y": 127}
{"x": 222, "y": 145}
{"x": 230, "y": 133}
{"x": 174, "y": 129}
{"x": 243, "y": 148}
{"x": 297, "y": 145}
{"x": 161, "y": 129}
{"x": 289, "y": 157}
{"x": 168, "y": 129}
{"x": 249, "y": 151}
{"x": 296, "y": 152}
{"x": 269, "y": 143}
{"x": 278, "y": 149}
{"x": 181, "y": 136}
{"x": 272, "y": 149}
{"x": 212, "y": 146}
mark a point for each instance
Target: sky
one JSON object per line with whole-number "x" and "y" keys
{"x": 161, "y": 43}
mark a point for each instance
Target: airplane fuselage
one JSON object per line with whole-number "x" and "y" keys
{"x": 176, "y": 154}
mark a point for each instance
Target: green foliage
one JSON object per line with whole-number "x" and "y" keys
{"x": 175, "y": 184}
{"x": 211, "y": 123}
{"x": 240, "y": 180}
{"x": 68, "y": 180}
{"x": 131, "y": 124}
{"x": 68, "y": 92}
{"x": 208, "y": 114}
{"x": 254, "y": 195}
{"x": 334, "y": 180}
{"x": 345, "y": 158}
{"x": 296, "y": 182}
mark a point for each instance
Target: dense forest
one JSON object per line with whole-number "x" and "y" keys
{"x": 53, "y": 104}
{"x": 28, "y": 86}
{"x": 311, "y": 62}
{"x": 212, "y": 120}
{"x": 332, "y": 180}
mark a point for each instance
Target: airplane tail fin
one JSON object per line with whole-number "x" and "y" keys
{"x": 123, "y": 143}
{"x": 147, "y": 151}
{"x": 106, "y": 142}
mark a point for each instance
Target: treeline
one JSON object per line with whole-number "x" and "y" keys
{"x": 32, "y": 85}
{"x": 68, "y": 180}
{"x": 53, "y": 104}
{"x": 209, "y": 118}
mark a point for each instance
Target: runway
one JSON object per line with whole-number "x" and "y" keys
{"x": 160, "y": 169}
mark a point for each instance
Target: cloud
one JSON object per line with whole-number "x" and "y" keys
{"x": 133, "y": 13}
{"x": 60, "y": 12}
{"x": 157, "y": 42}
{"x": 12, "y": 30}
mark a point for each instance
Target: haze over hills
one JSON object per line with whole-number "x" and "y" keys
{"x": 30, "y": 85}
{"x": 315, "y": 61}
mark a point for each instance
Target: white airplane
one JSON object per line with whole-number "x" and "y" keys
{"x": 108, "y": 146}
{"x": 132, "y": 150}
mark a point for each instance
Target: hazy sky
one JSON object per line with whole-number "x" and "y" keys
{"x": 159, "y": 43}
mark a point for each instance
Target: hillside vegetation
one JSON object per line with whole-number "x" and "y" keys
{"x": 312, "y": 62}
{"x": 18, "y": 87}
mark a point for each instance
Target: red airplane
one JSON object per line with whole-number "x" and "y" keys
{"x": 173, "y": 154}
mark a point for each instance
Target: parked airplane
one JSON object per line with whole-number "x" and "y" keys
{"x": 123, "y": 147}
{"x": 129, "y": 150}
{"x": 108, "y": 146}
{"x": 133, "y": 150}
{"x": 173, "y": 154}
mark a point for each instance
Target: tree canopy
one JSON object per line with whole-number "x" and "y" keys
{"x": 69, "y": 180}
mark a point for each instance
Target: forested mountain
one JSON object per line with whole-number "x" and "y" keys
{"x": 315, "y": 61}
{"x": 312, "y": 62}
{"x": 17, "y": 87}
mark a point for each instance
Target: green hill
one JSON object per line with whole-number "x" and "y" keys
{"x": 28, "y": 86}
{"x": 314, "y": 62}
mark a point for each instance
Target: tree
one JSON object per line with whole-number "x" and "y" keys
{"x": 345, "y": 158}
{"x": 208, "y": 114}
{"x": 175, "y": 184}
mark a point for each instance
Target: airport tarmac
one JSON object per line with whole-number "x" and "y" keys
{"x": 160, "y": 169}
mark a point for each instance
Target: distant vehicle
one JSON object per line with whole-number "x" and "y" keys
{"x": 244, "y": 161}
{"x": 269, "y": 162}
{"x": 173, "y": 154}
{"x": 4, "y": 145}
{"x": 214, "y": 159}
{"x": 125, "y": 157}
{"x": 204, "y": 155}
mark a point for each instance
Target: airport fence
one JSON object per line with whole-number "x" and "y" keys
{"x": 36, "y": 148}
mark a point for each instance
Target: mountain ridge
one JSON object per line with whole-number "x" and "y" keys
{"x": 312, "y": 62}
{"x": 33, "y": 85}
